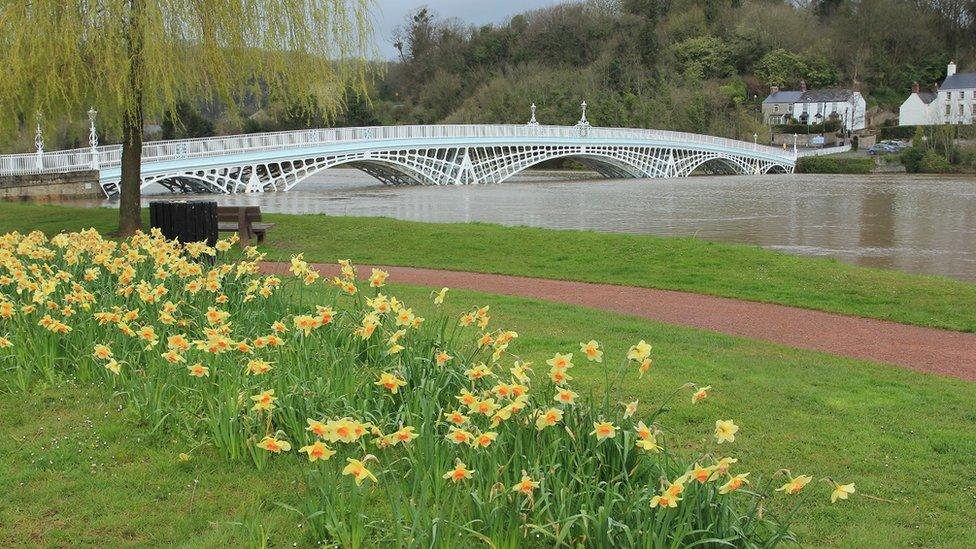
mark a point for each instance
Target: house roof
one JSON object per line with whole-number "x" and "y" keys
{"x": 960, "y": 81}
{"x": 826, "y": 96}
{"x": 927, "y": 97}
{"x": 783, "y": 97}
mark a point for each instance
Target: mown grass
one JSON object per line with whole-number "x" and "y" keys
{"x": 687, "y": 264}
{"x": 906, "y": 439}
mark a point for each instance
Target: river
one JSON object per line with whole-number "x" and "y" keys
{"x": 920, "y": 224}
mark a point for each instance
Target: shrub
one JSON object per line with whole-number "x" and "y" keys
{"x": 828, "y": 164}
{"x": 911, "y": 158}
{"x": 415, "y": 432}
{"x": 933, "y": 162}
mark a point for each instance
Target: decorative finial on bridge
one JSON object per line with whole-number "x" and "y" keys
{"x": 533, "y": 121}
{"x": 93, "y": 137}
{"x": 583, "y": 121}
{"x": 39, "y": 134}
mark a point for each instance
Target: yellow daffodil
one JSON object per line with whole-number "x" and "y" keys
{"x": 102, "y": 352}
{"x": 439, "y": 296}
{"x": 548, "y": 418}
{"x": 274, "y": 445}
{"x": 113, "y": 366}
{"x": 378, "y": 278}
{"x": 639, "y": 352}
{"x": 664, "y": 500}
{"x": 459, "y": 473}
{"x": 701, "y": 394}
{"x": 565, "y": 396}
{"x": 317, "y": 428}
{"x": 456, "y": 417}
{"x": 734, "y": 483}
{"x": 795, "y": 484}
{"x": 390, "y": 382}
{"x": 257, "y": 367}
{"x": 592, "y": 351}
{"x": 525, "y": 486}
{"x": 405, "y": 435}
{"x": 459, "y": 436}
{"x": 264, "y": 401}
{"x": 561, "y": 362}
{"x": 702, "y": 474}
{"x": 358, "y": 471}
{"x": 5, "y": 343}
{"x": 643, "y": 431}
{"x": 442, "y": 358}
{"x": 317, "y": 451}
{"x": 630, "y": 409}
{"x": 484, "y": 440}
{"x": 725, "y": 431}
{"x": 198, "y": 370}
{"x": 841, "y": 491}
{"x": 604, "y": 430}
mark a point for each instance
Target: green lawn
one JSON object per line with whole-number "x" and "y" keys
{"x": 687, "y": 264}
{"x": 79, "y": 472}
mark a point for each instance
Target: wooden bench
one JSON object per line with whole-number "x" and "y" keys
{"x": 243, "y": 220}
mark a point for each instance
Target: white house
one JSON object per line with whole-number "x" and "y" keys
{"x": 816, "y": 106}
{"x": 954, "y": 103}
{"x": 920, "y": 109}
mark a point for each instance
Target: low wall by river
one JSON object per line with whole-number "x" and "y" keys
{"x": 51, "y": 185}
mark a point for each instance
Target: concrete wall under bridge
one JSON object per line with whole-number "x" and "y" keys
{"x": 81, "y": 184}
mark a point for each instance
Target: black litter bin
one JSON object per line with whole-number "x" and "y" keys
{"x": 185, "y": 220}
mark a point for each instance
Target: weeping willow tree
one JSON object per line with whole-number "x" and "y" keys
{"x": 136, "y": 59}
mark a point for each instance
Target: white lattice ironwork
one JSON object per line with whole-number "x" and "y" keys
{"x": 428, "y": 155}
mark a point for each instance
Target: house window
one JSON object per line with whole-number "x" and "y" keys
{"x": 948, "y": 110}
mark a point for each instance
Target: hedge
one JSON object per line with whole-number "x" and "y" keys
{"x": 829, "y": 164}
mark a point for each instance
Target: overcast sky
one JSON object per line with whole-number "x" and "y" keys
{"x": 391, "y": 13}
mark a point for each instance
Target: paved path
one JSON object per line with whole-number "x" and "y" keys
{"x": 923, "y": 349}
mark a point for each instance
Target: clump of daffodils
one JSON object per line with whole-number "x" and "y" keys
{"x": 441, "y": 416}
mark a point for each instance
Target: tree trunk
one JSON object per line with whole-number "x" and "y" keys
{"x": 130, "y": 189}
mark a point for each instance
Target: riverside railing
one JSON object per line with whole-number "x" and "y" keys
{"x": 110, "y": 156}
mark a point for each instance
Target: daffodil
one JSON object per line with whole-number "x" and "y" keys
{"x": 639, "y": 352}
{"x": 459, "y": 473}
{"x": 358, "y": 471}
{"x": 113, "y": 366}
{"x": 565, "y": 396}
{"x": 841, "y": 491}
{"x": 439, "y": 296}
{"x": 702, "y": 474}
{"x": 484, "y": 440}
{"x": 198, "y": 370}
{"x": 405, "y": 435}
{"x": 459, "y": 436}
{"x": 378, "y": 278}
{"x": 701, "y": 394}
{"x": 548, "y": 418}
{"x": 317, "y": 428}
{"x": 561, "y": 362}
{"x": 525, "y": 486}
{"x": 592, "y": 351}
{"x": 102, "y": 352}
{"x": 274, "y": 445}
{"x": 643, "y": 431}
{"x": 456, "y": 417}
{"x": 264, "y": 401}
{"x": 725, "y": 431}
{"x": 795, "y": 484}
{"x": 630, "y": 409}
{"x": 257, "y": 367}
{"x": 734, "y": 483}
{"x": 317, "y": 451}
{"x": 442, "y": 358}
{"x": 604, "y": 430}
{"x": 390, "y": 382}
{"x": 664, "y": 500}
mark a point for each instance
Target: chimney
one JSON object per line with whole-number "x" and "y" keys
{"x": 915, "y": 88}
{"x": 803, "y": 85}
{"x": 951, "y": 69}
{"x": 773, "y": 89}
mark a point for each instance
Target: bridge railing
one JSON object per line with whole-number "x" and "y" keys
{"x": 110, "y": 156}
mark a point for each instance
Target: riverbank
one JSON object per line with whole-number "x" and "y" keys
{"x": 685, "y": 264}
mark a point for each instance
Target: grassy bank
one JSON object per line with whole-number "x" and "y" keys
{"x": 90, "y": 475}
{"x": 687, "y": 264}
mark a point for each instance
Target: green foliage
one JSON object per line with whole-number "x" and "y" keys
{"x": 830, "y": 164}
{"x": 933, "y": 162}
{"x": 781, "y": 68}
{"x": 911, "y": 158}
{"x": 186, "y": 122}
{"x": 710, "y": 53}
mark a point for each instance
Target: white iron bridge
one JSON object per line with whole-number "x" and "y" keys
{"x": 414, "y": 155}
